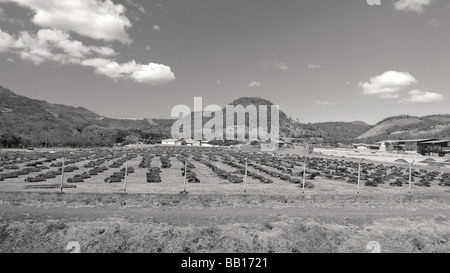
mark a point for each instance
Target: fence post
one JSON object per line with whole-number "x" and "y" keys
{"x": 245, "y": 178}
{"x": 410, "y": 175}
{"x": 304, "y": 174}
{"x": 62, "y": 171}
{"x": 126, "y": 175}
{"x": 185, "y": 174}
{"x": 359, "y": 173}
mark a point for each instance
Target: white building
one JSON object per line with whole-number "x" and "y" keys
{"x": 171, "y": 141}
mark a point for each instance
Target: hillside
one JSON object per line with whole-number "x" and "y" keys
{"x": 37, "y": 122}
{"x": 409, "y": 127}
{"x": 359, "y": 122}
{"x": 343, "y": 132}
{"x": 26, "y": 121}
{"x": 288, "y": 126}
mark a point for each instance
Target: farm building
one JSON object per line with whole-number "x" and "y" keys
{"x": 181, "y": 142}
{"x": 171, "y": 141}
{"x": 439, "y": 147}
{"x": 363, "y": 146}
{"x": 191, "y": 142}
{"x": 410, "y": 145}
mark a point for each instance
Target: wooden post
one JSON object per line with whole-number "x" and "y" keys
{"x": 126, "y": 175}
{"x": 359, "y": 173}
{"x": 185, "y": 174}
{"x": 304, "y": 175}
{"x": 245, "y": 178}
{"x": 410, "y": 175}
{"x": 62, "y": 172}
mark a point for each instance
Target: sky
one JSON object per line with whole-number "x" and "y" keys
{"x": 319, "y": 60}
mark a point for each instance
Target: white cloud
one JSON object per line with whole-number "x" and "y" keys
{"x": 54, "y": 45}
{"x": 97, "y": 19}
{"x": 424, "y": 97}
{"x": 387, "y": 84}
{"x": 417, "y": 6}
{"x": 153, "y": 74}
{"x": 254, "y": 84}
{"x": 6, "y": 41}
{"x": 156, "y": 27}
{"x": 325, "y": 103}
{"x": 101, "y": 20}
{"x": 314, "y": 66}
{"x": 148, "y": 47}
{"x": 104, "y": 51}
{"x": 57, "y": 46}
{"x": 281, "y": 66}
{"x": 10, "y": 60}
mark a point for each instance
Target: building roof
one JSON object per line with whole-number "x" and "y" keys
{"x": 365, "y": 145}
{"x": 406, "y": 140}
{"x": 170, "y": 140}
{"x": 437, "y": 141}
{"x": 191, "y": 141}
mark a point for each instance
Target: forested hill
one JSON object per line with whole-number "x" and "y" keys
{"x": 27, "y": 121}
{"x": 37, "y": 122}
{"x": 409, "y": 127}
{"x": 343, "y": 132}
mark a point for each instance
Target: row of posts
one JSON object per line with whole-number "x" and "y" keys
{"x": 245, "y": 177}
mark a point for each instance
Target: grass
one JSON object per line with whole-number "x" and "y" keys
{"x": 121, "y": 200}
{"x": 395, "y": 235}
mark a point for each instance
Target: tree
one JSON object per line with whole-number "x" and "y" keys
{"x": 131, "y": 140}
{"x": 8, "y": 140}
{"x": 216, "y": 142}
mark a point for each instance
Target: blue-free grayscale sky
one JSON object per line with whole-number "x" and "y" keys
{"x": 320, "y": 60}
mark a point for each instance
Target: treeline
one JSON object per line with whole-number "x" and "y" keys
{"x": 81, "y": 136}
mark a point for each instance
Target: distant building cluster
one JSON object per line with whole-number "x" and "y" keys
{"x": 185, "y": 142}
{"x": 426, "y": 147}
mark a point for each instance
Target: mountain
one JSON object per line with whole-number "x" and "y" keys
{"x": 38, "y": 122}
{"x": 287, "y": 126}
{"x": 409, "y": 127}
{"x": 359, "y": 122}
{"x": 343, "y": 132}
{"x": 27, "y": 121}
